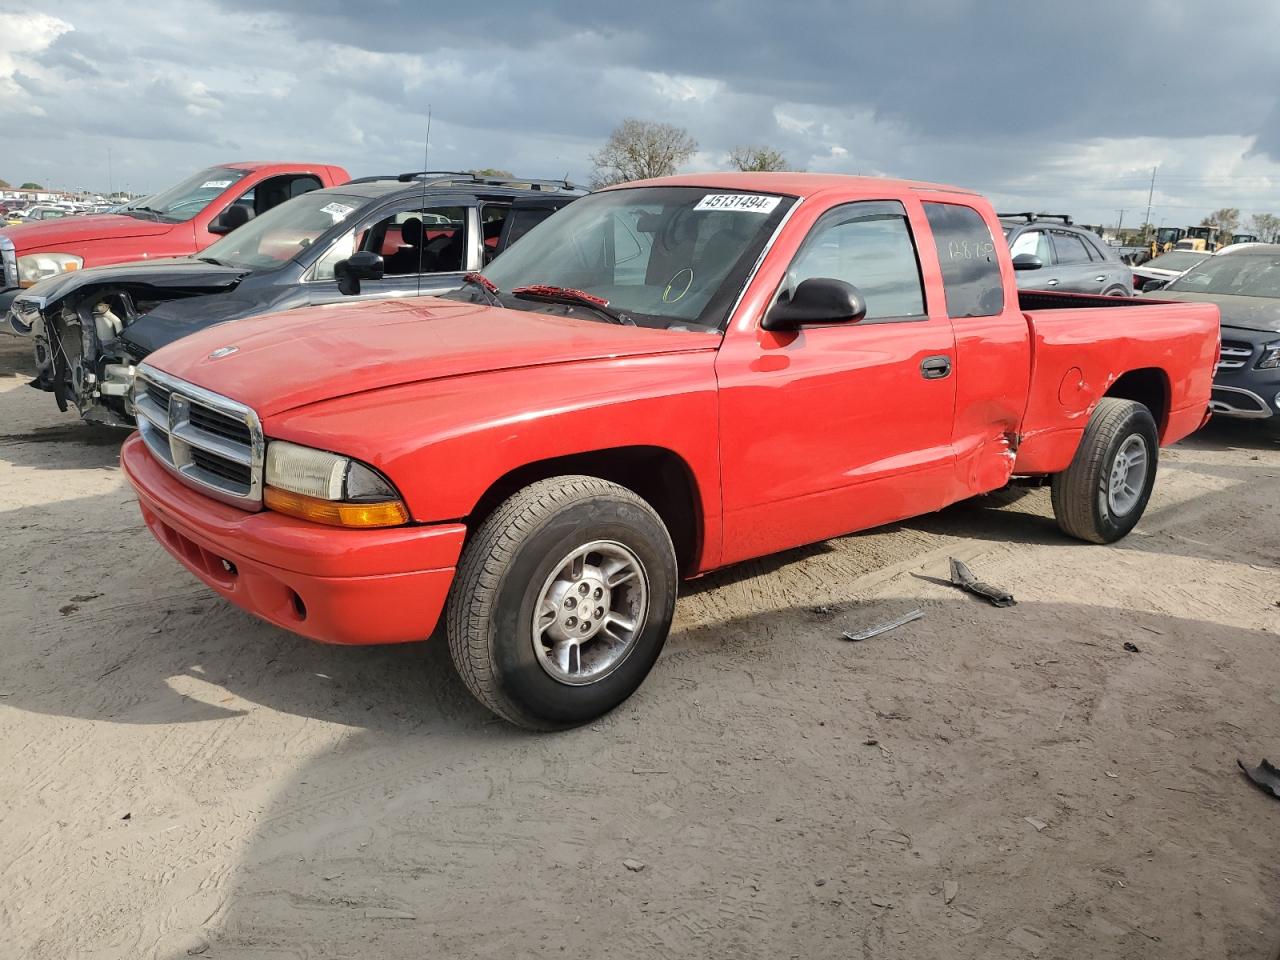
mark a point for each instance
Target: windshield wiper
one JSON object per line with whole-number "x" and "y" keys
{"x": 490, "y": 288}
{"x": 214, "y": 260}
{"x": 554, "y": 294}
{"x": 155, "y": 213}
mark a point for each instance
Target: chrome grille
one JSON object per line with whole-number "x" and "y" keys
{"x": 213, "y": 443}
{"x": 1234, "y": 355}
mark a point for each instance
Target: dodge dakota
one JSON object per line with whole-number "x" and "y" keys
{"x": 172, "y": 223}
{"x": 663, "y": 378}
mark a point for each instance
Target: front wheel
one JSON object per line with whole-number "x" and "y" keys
{"x": 562, "y": 602}
{"x": 1101, "y": 496}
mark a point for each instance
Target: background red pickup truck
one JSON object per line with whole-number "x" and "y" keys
{"x": 664, "y": 378}
{"x": 176, "y": 222}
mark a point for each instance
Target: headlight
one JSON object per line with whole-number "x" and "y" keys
{"x": 328, "y": 488}
{"x": 34, "y": 267}
{"x": 1270, "y": 356}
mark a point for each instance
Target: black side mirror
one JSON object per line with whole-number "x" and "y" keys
{"x": 818, "y": 300}
{"x": 1150, "y": 285}
{"x": 1027, "y": 261}
{"x": 362, "y": 265}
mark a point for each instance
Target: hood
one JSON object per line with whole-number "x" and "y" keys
{"x": 184, "y": 316}
{"x": 178, "y": 274}
{"x": 45, "y": 235}
{"x": 1247, "y": 313}
{"x": 1156, "y": 273}
{"x": 288, "y": 360}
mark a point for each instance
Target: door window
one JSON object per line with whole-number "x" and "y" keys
{"x": 967, "y": 256}
{"x": 1070, "y": 248}
{"x": 492, "y": 218}
{"x": 1034, "y": 242}
{"x": 426, "y": 240}
{"x": 868, "y": 245}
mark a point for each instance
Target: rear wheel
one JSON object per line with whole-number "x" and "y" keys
{"x": 1116, "y": 292}
{"x": 1101, "y": 496}
{"x": 562, "y": 602}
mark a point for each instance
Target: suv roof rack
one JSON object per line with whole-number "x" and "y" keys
{"x": 1033, "y": 217}
{"x": 431, "y": 178}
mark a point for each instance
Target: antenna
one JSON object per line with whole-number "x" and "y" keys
{"x": 426, "y": 153}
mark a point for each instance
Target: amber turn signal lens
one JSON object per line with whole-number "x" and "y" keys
{"x": 384, "y": 513}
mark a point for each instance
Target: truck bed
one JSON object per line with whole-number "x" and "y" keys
{"x": 1034, "y": 300}
{"x": 1079, "y": 354}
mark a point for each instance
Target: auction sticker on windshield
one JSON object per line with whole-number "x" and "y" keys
{"x": 215, "y": 184}
{"x": 338, "y": 211}
{"x": 748, "y": 202}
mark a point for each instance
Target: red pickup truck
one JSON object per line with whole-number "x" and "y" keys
{"x": 176, "y": 222}
{"x": 664, "y": 378}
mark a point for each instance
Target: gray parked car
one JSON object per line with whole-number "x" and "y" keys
{"x": 1245, "y": 284}
{"x": 1051, "y": 253}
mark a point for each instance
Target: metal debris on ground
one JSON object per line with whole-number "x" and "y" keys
{"x": 1131, "y": 647}
{"x": 884, "y": 627}
{"x": 1265, "y": 776}
{"x": 1037, "y": 823}
{"x": 962, "y": 577}
{"x": 635, "y": 866}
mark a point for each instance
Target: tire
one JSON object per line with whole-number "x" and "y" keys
{"x": 1117, "y": 291}
{"x": 517, "y": 557}
{"x": 1082, "y": 497}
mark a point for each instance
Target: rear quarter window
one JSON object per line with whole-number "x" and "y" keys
{"x": 967, "y": 256}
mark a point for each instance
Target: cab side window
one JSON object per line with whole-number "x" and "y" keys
{"x": 967, "y": 256}
{"x": 869, "y": 245}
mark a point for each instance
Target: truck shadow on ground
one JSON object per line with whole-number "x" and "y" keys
{"x": 69, "y": 446}
{"x": 135, "y": 639}
{"x": 16, "y": 358}
{"x": 1225, "y": 433}
{"x": 764, "y": 752}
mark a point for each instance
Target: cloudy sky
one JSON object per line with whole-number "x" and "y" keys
{"x": 1062, "y": 106}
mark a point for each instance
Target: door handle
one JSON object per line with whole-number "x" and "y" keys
{"x": 935, "y": 368}
{"x": 1051, "y": 283}
{"x": 1100, "y": 279}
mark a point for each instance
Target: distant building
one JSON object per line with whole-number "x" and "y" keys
{"x": 33, "y": 196}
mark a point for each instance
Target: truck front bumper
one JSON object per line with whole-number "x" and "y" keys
{"x": 326, "y": 583}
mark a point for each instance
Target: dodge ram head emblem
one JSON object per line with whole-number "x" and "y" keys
{"x": 222, "y": 352}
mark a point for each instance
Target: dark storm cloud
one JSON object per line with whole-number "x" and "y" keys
{"x": 1062, "y": 105}
{"x": 1081, "y": 69}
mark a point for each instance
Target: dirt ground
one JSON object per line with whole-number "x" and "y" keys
{"x": 983, "y": 783}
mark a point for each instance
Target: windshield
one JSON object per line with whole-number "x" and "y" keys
{"x": 189, "y": 197}
{"x": 1178, "y": 260}
{"x": 283, "y": 232}
{"x": 1233, "y": 275}
{"x": 662, "y": 256}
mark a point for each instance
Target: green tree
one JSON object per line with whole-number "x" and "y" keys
{"x": 492, "y": 173}
{"x": 31, "y": 185}
{"x": 757, "y": 159}
{"x": 4, "y": 184}
{"x": 640, "y": 149}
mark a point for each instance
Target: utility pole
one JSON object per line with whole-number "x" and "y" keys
{"x": 109, "y": 191}
{"x": 1151, "y": 192}
{"x": 1119, "y": 224}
